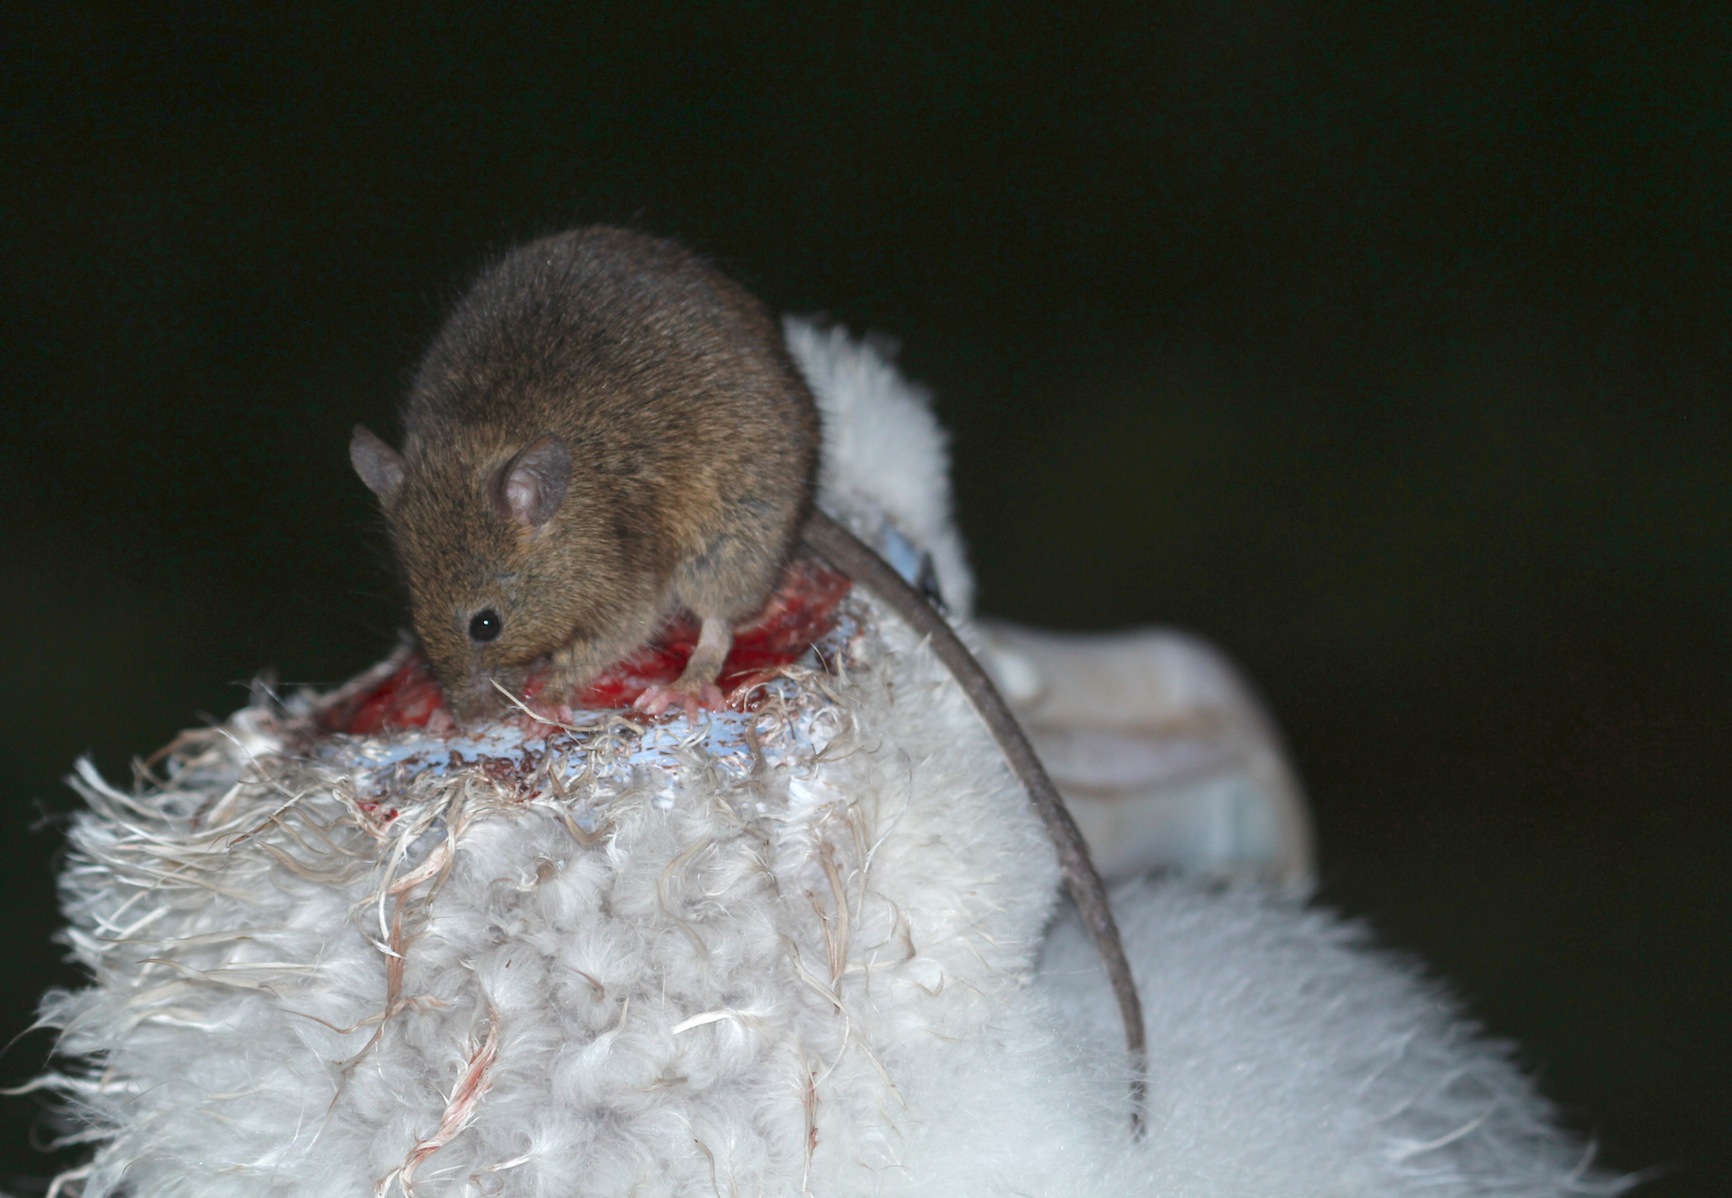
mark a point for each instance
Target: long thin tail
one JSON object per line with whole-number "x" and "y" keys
{"x": 860, "y": 562}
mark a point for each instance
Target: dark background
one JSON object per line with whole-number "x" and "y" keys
{"x": 1388, "y": 348}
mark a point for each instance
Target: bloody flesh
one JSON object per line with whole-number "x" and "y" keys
{"x": 801, "y": 612}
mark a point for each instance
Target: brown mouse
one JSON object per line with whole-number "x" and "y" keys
{"x": 608, "y": 430}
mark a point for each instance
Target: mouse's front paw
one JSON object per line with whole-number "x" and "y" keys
{"x": 692, "y": 697}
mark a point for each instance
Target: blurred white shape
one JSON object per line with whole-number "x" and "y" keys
{"x": 1162, "y": 750}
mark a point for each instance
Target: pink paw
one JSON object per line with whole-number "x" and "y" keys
{"x": 692, "y": 697}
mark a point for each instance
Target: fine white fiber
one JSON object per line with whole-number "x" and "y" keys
{"x": 807, "y": 950}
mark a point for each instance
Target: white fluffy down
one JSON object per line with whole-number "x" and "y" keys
{"x": 316, "y": 974}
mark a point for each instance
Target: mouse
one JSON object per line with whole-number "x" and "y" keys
{"x": 607, "y": 430}
{"x": 604, "y": 430}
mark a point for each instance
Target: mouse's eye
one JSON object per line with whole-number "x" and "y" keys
{"x": 486, "y": 625}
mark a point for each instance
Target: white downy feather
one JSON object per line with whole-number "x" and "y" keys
{"x": 805, "y": 951}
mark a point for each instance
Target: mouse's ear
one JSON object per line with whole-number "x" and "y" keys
{"x": 532, "y": 485}
{"x": 379, "y": 466}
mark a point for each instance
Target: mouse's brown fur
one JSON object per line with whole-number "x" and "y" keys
{"x": 690, "y": 440}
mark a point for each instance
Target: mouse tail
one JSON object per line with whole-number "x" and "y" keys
{"x": 860, "y": 562}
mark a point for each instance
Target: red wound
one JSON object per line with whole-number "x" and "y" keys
{"x": 801, "y": 612}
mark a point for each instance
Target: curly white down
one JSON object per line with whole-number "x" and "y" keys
{"x": 571, "y": 966}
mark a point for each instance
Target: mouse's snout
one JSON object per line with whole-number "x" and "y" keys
{"x": 474, "y": 699}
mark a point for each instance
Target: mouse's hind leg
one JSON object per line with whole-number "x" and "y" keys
{"x": 696, "y": 686}
{"x": 726, "y": 581}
